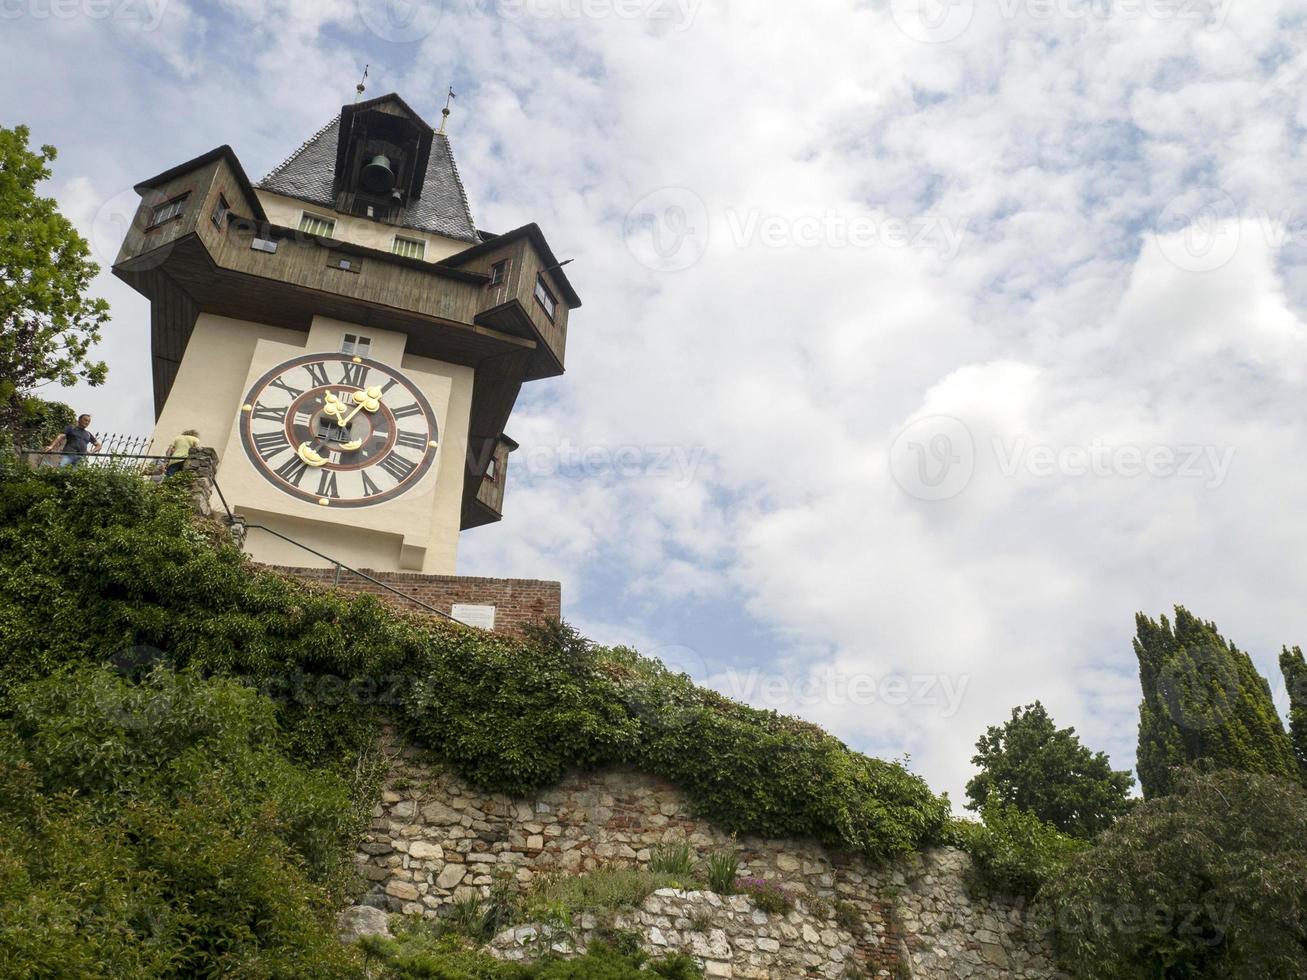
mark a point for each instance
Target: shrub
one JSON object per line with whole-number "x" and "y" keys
{"x": 723, "y": 869}
{"x": 768, "y": 896}
{"x": 674, "y": 859}
{"x": 561, "y": 896}
{"x": 101, "y": 567}
{"x": 1014, "y": 852}
{"x": 1206, "y": 882}
{"x": 156, "y": 831}
{"x": 849, "y": 917}
{"x": 416, "y": 953}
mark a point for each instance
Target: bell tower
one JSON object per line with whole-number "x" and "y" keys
{"x": 346, "y": 338}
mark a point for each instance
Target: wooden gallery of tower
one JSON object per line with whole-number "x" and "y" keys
{"x": 352, "y": 346}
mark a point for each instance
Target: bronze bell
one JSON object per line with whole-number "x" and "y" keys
{"x": 377, "y": 176}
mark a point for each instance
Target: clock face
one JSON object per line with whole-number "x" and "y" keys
{"x": 338, "y": 430}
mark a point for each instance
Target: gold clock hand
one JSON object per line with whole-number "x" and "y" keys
{"x": 370, "y": 401}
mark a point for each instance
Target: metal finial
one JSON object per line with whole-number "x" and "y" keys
{"x": 358, "y": 89}
{"x": 444, "y": 113}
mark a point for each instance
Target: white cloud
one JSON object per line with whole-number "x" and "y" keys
{"x": 1064, "y": 149}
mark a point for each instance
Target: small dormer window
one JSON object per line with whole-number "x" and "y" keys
{"x": 498, "y": 272}
{"x": 317, "y": 225}
{"x": 356, "y": 344}
{"x": 544, "y": 297}
{"x": 410, "y": 248}
{"x": 169, "y": 210}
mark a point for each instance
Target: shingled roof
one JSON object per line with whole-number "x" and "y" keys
{"x": 308, "y": 174}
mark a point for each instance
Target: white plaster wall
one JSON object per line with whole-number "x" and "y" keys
{"x": 358, "y": 231}
{"x": 417, "y": 531}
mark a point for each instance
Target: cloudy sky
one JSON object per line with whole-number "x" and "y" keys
{"x": 924, "y": 342}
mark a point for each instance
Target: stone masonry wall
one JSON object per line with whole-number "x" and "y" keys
{"x": 435, "y": 840}
{"x": 518, "y": 602}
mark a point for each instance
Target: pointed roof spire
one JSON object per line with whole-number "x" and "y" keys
{"x": 358, "y": 89}
{"x": 444, "y": 113}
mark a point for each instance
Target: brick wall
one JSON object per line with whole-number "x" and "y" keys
{"x": 517, "y": 601}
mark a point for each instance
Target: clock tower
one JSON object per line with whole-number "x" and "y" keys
{"x": 346, "y": 338}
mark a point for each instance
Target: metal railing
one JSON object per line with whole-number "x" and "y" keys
{"x": 115, "y": 461}
{"x": 99, "y": 460}
{"x": 341, "y": 566}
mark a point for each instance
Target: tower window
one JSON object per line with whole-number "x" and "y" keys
{"x": 356, "y": 344}
{"x": 220, "y": 211}
{"x": 498, "y": 272}
{"x": 169, "y": 210}
{"x": 410, "y": 248}
{"x": 545, "y": 298}
{"x": 316, "y": 225}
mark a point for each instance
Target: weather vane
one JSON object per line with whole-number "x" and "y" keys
{"x": 358, "y": 89}
{"x": 444, "y": 113}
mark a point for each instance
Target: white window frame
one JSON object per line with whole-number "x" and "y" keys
{"x": 542, "y": 287}
{"x": 169, "y": 209}
{"x": 309, "y": 222}
{"x": 220, "y": 210}
{"x": 356, "y": 344}
{"x": 421, "y": 244}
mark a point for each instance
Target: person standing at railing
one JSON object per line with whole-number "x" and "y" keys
{"x": 180, "y": 449}
{"x": 74, "y": 442}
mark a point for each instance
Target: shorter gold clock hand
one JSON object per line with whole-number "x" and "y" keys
{"x": 370, "y": 401}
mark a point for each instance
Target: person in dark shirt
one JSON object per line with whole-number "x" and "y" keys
{"x": 74, "y": 442}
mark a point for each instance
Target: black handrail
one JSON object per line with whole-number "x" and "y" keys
{"x": 341, "y": 565}
{"x": 232, "y": 520}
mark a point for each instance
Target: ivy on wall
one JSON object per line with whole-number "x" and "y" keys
{"x": 100, "y": 568}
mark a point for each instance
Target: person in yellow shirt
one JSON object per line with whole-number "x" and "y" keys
{"x": 180, "y": 449}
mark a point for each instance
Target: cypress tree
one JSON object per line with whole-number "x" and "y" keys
{"x": 1294, "y": 669}
{"x": 1204, "y": 702}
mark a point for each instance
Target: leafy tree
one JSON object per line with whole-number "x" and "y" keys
{"x": 1031, "y": 764}
{"x": 1203, "y": 700}
{"x": 1012, "y": 851}
{"x": 1208, "y": 881}
{"x": 47, "y": 324}
{"x": 40, "y": 421}
{"x": 1294, "y": 669}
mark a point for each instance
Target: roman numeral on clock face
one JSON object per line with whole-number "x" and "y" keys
{"x": 327, "y": 484}
{"x": 318, "y": 373}
{"x": 269, "y": 444}
{"x": 398, "y": 467}
{"x": 406, "y": 411}
{"x": 356, "y": 375}
{"x": 370, "y": 489}
{"x": 269, "y": 413}
{"x": 292, "y": 471}
{"x": 288, "y": 389}
{"x": 411, "y": 440}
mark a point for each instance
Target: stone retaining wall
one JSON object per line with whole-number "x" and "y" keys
{"x": 435, "y": 840}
